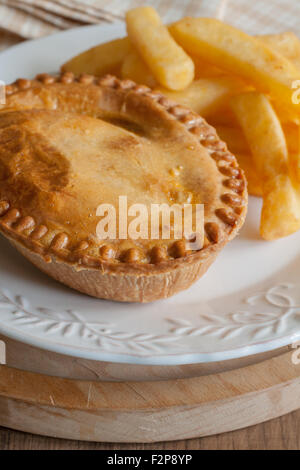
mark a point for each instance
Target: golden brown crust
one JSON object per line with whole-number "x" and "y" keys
{"x": 126, "y": 286}
{"x": 223, "y": 223}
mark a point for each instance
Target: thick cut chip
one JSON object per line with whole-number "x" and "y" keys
{"x": 102, "y": 59}
{"x": 253, "y": 179}
{"x": 135, "y": 69}
{"x": 291, "y": 132}
{"x": 240, "y": 54}
{"x": 238, "y": 145}
{"x": 168, "y": 62}
{"x": 234, "y": 138}
{"x": 287, "y": 44}
{"x": 204, "y": 69}
{"x": 208, "y": 96}
{"x": 263, "y": 131}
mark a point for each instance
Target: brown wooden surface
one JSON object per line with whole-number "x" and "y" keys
{"x": 216, "y": 403}
{"x": 282, "y": 434}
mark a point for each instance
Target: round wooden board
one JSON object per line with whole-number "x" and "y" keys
{"x": 149, "y": 411}
{"x": 31, "y": 359}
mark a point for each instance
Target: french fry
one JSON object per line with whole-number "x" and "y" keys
{"x": 207, "y": 96}
{"x": 280, "y": 215}
{"x": 286, "y": 116}
{"x": 239, "y": 54}
{"x": 263, "y": 131}
{"x": 134, "y": 68}
{"x": 237, "y": 142}
{"x": 291, "y": 132}
{"x": 254, "y": 182}
{"x": 168, "y": 62}
{"x": 204, "y": 69}
{"x": 224, "y": 118}
{"x": 238, "y": 145}
{"x": 294, "y": 160}
{"x": 287, "y": 44}
{"x": 102, "y": 59}
{"x": 234, "y": 138}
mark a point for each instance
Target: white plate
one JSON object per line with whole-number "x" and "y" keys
{"x": 248, "y": 303}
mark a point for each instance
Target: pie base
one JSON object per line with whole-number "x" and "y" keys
{"x": 127, "y": 287}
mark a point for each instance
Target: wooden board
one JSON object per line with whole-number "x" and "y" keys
{"x": 149, "y": 411}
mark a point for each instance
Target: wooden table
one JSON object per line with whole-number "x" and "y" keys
{"x": 281, "y": 434}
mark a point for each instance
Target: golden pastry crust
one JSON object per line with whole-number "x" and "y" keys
{"x": 51, "y": 130}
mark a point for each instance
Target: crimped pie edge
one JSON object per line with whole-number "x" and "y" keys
{"x": 12, "y": 223}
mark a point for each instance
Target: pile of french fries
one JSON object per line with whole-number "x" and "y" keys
{"x": 245, "y": 86}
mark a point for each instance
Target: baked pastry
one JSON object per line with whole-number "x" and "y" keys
{"x": 69, "y": 144}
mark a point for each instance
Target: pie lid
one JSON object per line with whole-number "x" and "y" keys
{"x": 68, "y": 145}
